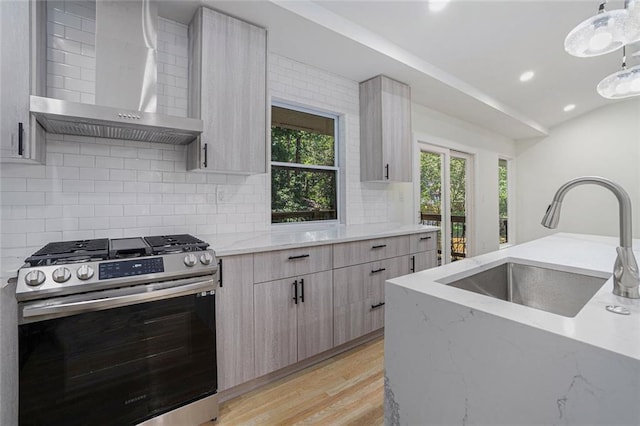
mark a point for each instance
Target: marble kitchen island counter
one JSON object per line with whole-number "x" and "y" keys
{"x": 456, "y": 357}
{"x": 292, "y": 237}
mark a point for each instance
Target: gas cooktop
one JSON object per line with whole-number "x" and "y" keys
{"x": 68, "y": 267}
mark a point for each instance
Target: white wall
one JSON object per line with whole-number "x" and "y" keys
{"x": 439, "y": 129}
{"x": 604, "y": 142}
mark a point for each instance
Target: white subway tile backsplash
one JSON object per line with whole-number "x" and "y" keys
{"x": 94, "y": 149}
{"x": 93, "y": 198}
{"x": 93, "y": 174}
{"x": 80, "y": 36}
{"x": 61, "y": 224}
{"x": 108, "y": 186}
{"x": 77, "y": 235}
{"x": 79, "y": 160}
{"x": 22, "y": 198}
{"x": 122, "y": 198}
{"x": 78, "y": 210}
{"x": 77, "y": 185}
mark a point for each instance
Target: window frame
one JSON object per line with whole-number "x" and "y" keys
{"x": 336, "y": 167}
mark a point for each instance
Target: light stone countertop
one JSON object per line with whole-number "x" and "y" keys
{"x": 569, "y": 252}
{"x": 290, "y": 237}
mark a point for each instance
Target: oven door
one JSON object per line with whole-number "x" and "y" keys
{"x": 117, "y": 356}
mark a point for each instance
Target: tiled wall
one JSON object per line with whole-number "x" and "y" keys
{"x": 173, "y": 65}
{"x": 93, "y": 187}
{"x": 71, "y": 61}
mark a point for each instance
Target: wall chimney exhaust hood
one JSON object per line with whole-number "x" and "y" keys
{"x": 126, "y": 77}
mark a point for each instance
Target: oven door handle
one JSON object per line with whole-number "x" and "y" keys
{"x": 142, "y": 294}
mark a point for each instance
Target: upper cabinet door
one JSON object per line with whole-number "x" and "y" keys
{"x": 229, "y": 60}
{"x": 18, "y": 131}
{"x": 385, "y": 130}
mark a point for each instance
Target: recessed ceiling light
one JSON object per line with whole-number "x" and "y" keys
{"x": 526, "y": 76}
{"x": 437, "y": 5}
{"x": 569, "y": 107}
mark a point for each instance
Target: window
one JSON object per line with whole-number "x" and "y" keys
{"x": 304, "y": 172}
{"x": 503, "y": 200}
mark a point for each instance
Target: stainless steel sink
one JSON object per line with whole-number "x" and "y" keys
{"x": 551, "y": 290}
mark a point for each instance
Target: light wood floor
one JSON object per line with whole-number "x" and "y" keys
{"x": 344, "y": 390}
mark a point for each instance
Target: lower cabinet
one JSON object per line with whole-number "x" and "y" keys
{"x": 293, "y": 320}
{"x": 423, "y": 260}
{"x": 234, "y": 321}
{"x": 358, "y": 297}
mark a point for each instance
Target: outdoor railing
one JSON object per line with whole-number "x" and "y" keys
{"x": 302, "y": 216}
{"x": 458, "y": 234}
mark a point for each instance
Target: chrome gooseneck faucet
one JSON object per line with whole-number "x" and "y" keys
{"x": 626, "y": 278}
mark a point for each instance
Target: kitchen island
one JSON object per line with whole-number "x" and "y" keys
{"x": 453, "y": 356}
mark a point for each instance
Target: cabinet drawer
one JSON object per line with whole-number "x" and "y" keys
{"x": 354, "y": 253}
{"x": 358, "y": 297}
{"x": 279, "y": 264}
{"x": 424, "y": 241}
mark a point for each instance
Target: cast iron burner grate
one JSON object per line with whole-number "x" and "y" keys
{"x": 175, "y": 243}
{"x": 70, "y": 251}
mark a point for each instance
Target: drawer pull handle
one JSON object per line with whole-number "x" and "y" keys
{"x": 295, "y": 292}
{"x": 20, "y": 136}
{"x": 377, "y": 305}
{"x": 220, "y": 272}
{"x": 425, "y": 238}
{"x": 413, "y": 264}
{"x": 300, "y": 256}
{"x": 302, "y": 290}
{"x": 374, "y": 271}
{"x": 379, "y": 246}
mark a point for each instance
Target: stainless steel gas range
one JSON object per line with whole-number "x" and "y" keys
{"x": 118, "y": 331}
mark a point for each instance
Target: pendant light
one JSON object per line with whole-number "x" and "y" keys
{"x": 600, "y": 34}
{"x": 622, "y": 84}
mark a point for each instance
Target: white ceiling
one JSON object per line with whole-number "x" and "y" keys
{"x": 464, "y": 61}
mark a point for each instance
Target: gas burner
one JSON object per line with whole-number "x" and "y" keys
{"x": 66, "y": 251}
{"x": 181, "y": 243}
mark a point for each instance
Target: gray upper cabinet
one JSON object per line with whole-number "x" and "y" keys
{"x": 21, "y": 137}
{"x": 385, "y": 130}
{"x": 228, "y": 70}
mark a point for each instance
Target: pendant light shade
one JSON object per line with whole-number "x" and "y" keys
{"x": 622, "y": 84}
{"x": 598, "y": 35}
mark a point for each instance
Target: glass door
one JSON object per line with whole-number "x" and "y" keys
{"x": 445, "y": 182}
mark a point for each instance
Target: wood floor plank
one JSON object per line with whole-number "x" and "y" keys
{"x": 344, "y": 390}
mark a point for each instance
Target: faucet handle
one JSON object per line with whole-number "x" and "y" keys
{"x": 626, "y": 276}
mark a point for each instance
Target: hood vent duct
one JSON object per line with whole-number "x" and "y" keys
{"x": 126, "y": 84}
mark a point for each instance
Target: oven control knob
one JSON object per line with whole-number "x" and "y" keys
{"x": 206, "y": 259}
{"x": 34, "y": 278}
{"x": 61, "y": 274}
{"x": 190, "y": 260}
{"x": 84, "y": 272}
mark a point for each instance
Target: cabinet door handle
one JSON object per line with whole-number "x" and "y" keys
{"x": 413, "y": 264}
{"x": 302, "y": 290}
{"x": 378, "y": 246}
{"x": 386, "y": 172}
{"x": 295, "y": 292}
{"x": 377, "y": 305}
{"x": 205, "y": 162}
{"x": 425, "y": 238}
{"x": 20, "y": 137}
{"x": 375, "y": 271}
{"x": 220, "y": 272}
{"x": 300, "y": 256}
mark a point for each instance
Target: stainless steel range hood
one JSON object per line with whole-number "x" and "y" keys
{"x": 126, "y": 77}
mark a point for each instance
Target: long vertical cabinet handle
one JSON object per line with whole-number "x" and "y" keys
{"x": 295, "y": 292}
{"x": 302, "y": 290}
{"x": 220, "y": 272}
{"x": 413, "y": 263}
{"x": 386, "y": 172}
{"x": 206, "y": 156}
{"x": 20, "y": 139}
